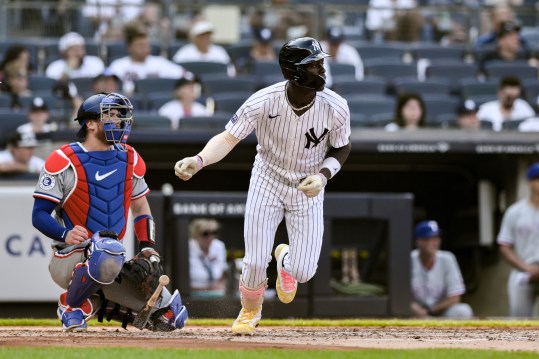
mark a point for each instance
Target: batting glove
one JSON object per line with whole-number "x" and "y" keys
{"x": 312, "y": 185}
{"x": 186, "y": 168}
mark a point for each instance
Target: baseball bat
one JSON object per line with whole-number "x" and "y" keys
{"x": 144, "y": 314}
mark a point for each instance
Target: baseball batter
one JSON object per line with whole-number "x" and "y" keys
{"x": 90, "y": 187}
{"x": 303, "y": 132}
{"x": 519, "y": 245}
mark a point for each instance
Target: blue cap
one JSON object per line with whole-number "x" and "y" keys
{"x": 533, "y": 171}
{"x": 427, "y": 229}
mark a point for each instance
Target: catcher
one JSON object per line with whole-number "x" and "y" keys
{"x": 90, "y": 186}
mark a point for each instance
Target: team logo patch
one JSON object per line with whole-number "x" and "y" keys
{"x": 46, "y": 182}
{"x": 234, "y": 119}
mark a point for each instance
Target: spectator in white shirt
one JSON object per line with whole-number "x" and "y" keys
{"x": 140, "y": 64}
{"x": 186, "y": 92}
{"x": 508, "y": 106}
{"x": 19, "y": 155}
{"x": 341, "y": 52}
{"x": 74, "y": 62}
{"x": 201, "y": 48}
{"x": 207, "y": 258}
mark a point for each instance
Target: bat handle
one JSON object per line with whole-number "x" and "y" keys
{"x": 163, "y": 281}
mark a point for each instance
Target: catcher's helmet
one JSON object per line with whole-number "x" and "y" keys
{"x": 297, "y": 53}
{"x": 99, "y": 106}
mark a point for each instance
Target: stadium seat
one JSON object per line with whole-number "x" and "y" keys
{"x": 154, "y": 101}
{"x": 380, "y": 120}
{"x": 358, "y": 120}
{"x": 437, "y": 105}
{"x": 370, "y": 51}
{"x": 239, "y": 50}
{"x": 9, "y": 121}
{"x": 370, "y": 105}
{"x": 84, "y": 84}
{"x": 498, "y": 69}
{"x": 453, "y": 72}
{"x": 146, "y": 87}
{"x": 229, "y": 102}
{"x": 530, "y": 88}
{"x": 150, "y": 120}
{"x": 511, "y": 125}
{"x": 222, "y": 84}
{"x": 429, "y": 87}
{"x": 438, "y": 52}
{"x": 41, "y": 84}
{"x": 173, "y": 47}
{"x": 390, "y": 71}
{"x": 470, "y": 88}
{"x": 342, "y": 70}
{"x": 217, "y": 122}
{"x": 368, "y": 86}
{"x": 202, "y": 68}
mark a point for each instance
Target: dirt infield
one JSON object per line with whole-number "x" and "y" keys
{"x": 339, "y": 338}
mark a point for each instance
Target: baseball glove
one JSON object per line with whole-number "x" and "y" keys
{"x": 143, "y": 271}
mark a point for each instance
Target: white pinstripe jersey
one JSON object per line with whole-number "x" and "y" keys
{"x": 292, "y": 147}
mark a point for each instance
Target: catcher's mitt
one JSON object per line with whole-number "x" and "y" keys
{"x": 143, "y": 271}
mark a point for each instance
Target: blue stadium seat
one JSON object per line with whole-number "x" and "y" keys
{"x": 222, "y": 84}
{"x": 369, "y": 86}
{"x": 150, "y": 120}
{"x": 202, "y": 68}
{"x": 216, "y": 122}
{"x": 498, "y": 69}
{"x": 229, "y": 102}
{"x": 429, "y": 87}
{"x": 390, "y": 71}
{"x": 438, "y": 52}
{"x": 146, "y": 87}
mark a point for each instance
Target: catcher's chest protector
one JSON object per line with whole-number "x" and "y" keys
{"x": 102, "y": 193}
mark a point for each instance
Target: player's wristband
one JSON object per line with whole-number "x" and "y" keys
{"x": 332, "y": 165}
{"x": 145, "y": 228}
{"x": 200, "y": 162}
{"x": 324, "y": 179}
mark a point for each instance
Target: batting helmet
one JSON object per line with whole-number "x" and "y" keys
{"x": 99, "y": 106}
{"x": 297, "y": 53}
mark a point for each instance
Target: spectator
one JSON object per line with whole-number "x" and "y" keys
{"x": 467, "y": 116}
{"x": 508, "y": 106}
{"x": 106, "y": 18}
{"x": 508, "y": 46}
{"x": 261, "y": 50}
{"x": 207, "y": 258}
{"x": 15, "y": 84}
{"x": 184, "y": 104}
{"x": 437, "y": 284}
{"x": 201, "y": 48}
{"x": 140, "y": 64}
{"x": 16, "y": 56}
{"x": 517, "y": 241}
{"x": 19, "y": 155}
{"x": 38, "y": 117}
{"x": 498, "y": 15}
{"x": 74, "y": 62}
{"x": 395, "y": 20}
{"x": 409, "y": 113}
{"x": 106, "y": 82}
{"x": 341, "y": 52}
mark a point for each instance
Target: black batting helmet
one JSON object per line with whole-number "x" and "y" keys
{"x": 297, "y": 53}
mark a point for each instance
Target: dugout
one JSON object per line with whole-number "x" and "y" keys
{"x": 377, "y": 224}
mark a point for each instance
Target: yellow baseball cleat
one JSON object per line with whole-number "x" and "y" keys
{"x": 286, "y": 285}
{"x": 247, "y": 321}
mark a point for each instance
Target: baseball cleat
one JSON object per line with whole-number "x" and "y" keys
{"x": 286, "y": 285}
{"x": 247, "y": 321}
{"x": 73, "y": 320}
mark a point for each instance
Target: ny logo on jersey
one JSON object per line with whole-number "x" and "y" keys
{"x": 312, "y": 138}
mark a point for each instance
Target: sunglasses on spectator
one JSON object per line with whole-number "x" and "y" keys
{"x": 209, "y": 233}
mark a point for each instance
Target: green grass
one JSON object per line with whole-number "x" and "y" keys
{"x": 312, "y": 322}
{"x": 129, "y": 353}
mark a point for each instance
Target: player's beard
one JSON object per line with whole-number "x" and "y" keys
{"x": 100, "y": 135}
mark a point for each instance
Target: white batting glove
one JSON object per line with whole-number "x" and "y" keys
{"x": 187, "y": 167}
{"x": 312, "y": 185}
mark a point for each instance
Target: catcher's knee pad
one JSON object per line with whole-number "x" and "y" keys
{"x": 106, "y": 257}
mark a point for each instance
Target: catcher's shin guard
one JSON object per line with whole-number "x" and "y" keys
{"x": 251, "y": 311}
{"x": 106, "y": 257}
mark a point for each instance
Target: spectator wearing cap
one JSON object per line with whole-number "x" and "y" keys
{"x": 437, "y": 284}
{"x": 106, "y": 82}
{"x": 508, "y": 46}
{"x": 186, "y": 92}
{"x": 74, "y": 62}
{"x": 497, "y": 14}
{"x": 19, "y": 157}
{"x": 140, "y": 63}
{"x": 261, "y": 50}
{"x": 201, "y": 47}
{"x": 518, "y": 241}
{"x": 207, "y": 258}
{"x": 38, "y": 117}
{"x": 467, "y": 116}
{"x": 340, "y": 51}
{"x": 508, "y": 107}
